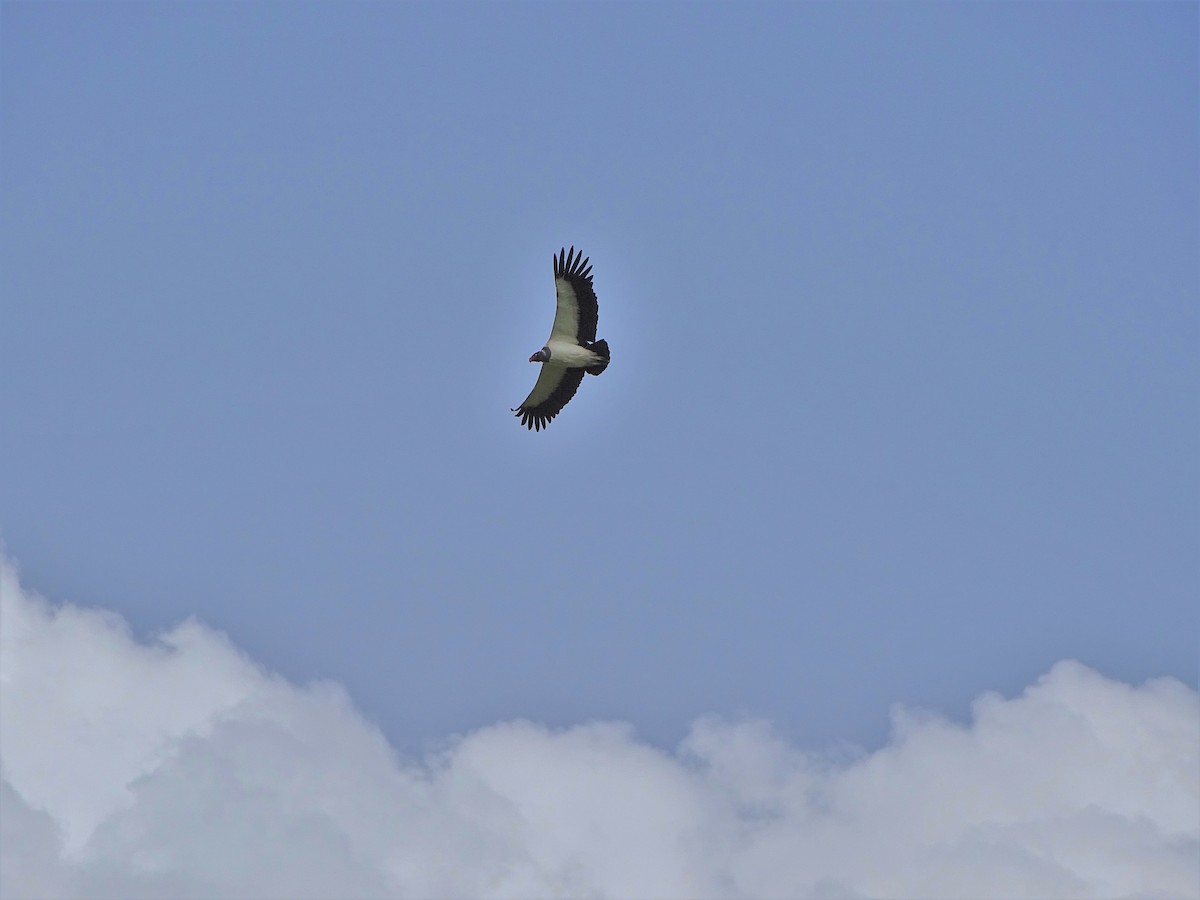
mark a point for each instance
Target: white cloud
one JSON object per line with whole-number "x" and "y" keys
{"x": 183, "y": 769}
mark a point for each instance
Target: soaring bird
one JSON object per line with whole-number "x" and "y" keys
{"x": 572, "y": 348}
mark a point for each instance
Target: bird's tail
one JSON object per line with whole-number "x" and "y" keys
{"x": 600, "y": 348}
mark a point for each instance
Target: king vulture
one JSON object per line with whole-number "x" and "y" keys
{"x": 572, "y": 348}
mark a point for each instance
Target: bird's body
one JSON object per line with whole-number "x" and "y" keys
{"x": 572, "y": 348}
{"x": 568, "y": 354}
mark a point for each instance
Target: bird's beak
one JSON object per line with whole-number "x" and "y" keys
{"x": 534, "y": 358}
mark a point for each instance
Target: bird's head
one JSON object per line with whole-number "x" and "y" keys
{"x": 542, "y": 355}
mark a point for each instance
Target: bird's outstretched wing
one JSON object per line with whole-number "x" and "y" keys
{"x": 554, "y": 387}
{"x": 576, "y": 312}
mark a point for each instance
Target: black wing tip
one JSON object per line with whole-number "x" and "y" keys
{"x": 532, "y": 420}
{"x": 569, "y": 264}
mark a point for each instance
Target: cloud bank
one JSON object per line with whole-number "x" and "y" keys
{"x": 180, "y": 768}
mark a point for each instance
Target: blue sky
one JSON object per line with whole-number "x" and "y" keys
{"x": 901, "y": 302}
